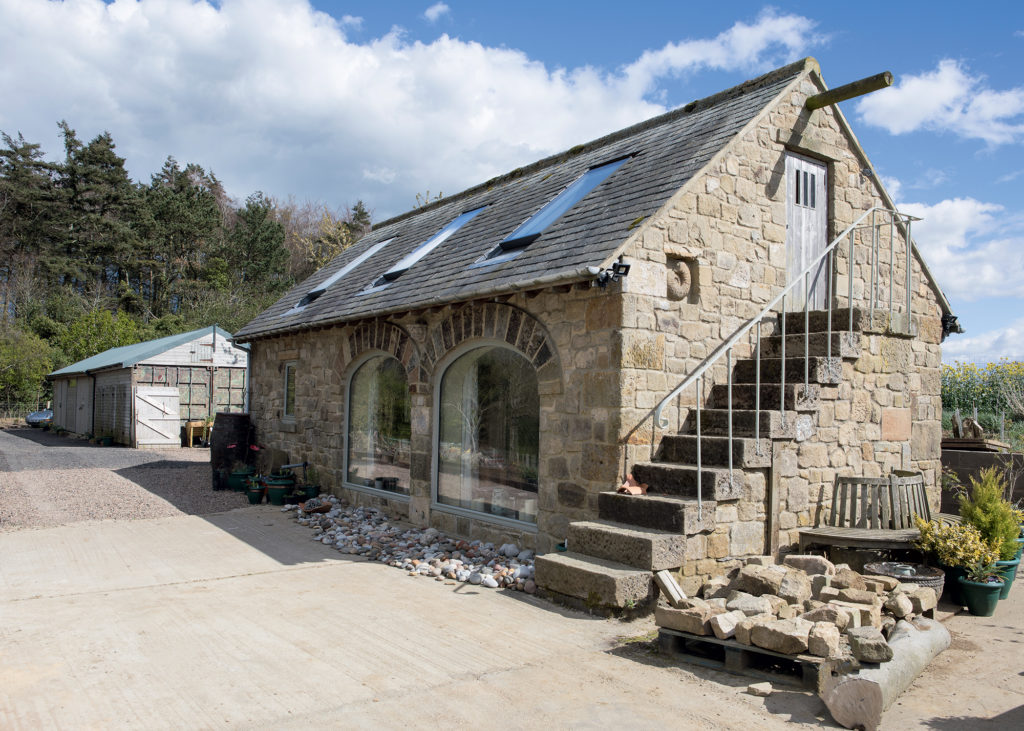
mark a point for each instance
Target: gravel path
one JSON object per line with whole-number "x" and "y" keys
{"x": 48, "y": 480}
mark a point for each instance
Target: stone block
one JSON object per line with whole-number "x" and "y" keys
{"x": 759, "y": 561}
{"x": 644, "y": 549}
{"x": 776, "y": 601}
{"x": 870, "y": 614}
{"x": 828, "y": 594}
{"x": 899, "y": 605}
{"x": 724, "y": 625}
{"x": 896, "y": 425}
{"x": 596, "y": 581}
{"x": 670, "y": 589}
{"x": 810, "y": 564}
{"x": 888, "y": 583}
{"x": 715, "y": 587}
{"x": 868, "y": 645}
{"x": 696, "y": 621}
{"x": 828, "y": 613}
{"x": 858, "y": 596}
{"x": 748, "y": 604}
{"x": 788, "y": 636}
{"x": 847, "y": 578}
{"x": 922, "y": 599}
{"x": 819, "y": 582}
{"x": 823, "y": 640}
{"x": 795, "y": 587}
{"x": 744, "y": 628}
{"x": 757, "y": 580}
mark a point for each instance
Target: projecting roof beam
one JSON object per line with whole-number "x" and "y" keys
{"x": 849, "y": 91}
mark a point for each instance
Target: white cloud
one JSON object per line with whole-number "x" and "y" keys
{"x": 272, "y": 95}
{"x": 948, "y": 99}
{"x": 973, "y": 248}
{"x": 435, "y": 11}
{"x": 986, "y": 347}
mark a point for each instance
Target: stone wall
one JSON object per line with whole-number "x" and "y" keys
{"x": 568, "y": 333}
{"x": 712, "y": 259}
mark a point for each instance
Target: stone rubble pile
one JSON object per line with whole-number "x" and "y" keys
{"x": 368, "y": 532}
{"x": 807, "y": 605}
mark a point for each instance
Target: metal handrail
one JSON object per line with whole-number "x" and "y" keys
{"x": 696, "y": 377}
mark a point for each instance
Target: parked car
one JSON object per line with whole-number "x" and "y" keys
{"x": 40, "y": 418}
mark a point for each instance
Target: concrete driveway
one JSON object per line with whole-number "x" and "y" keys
{"x": 238, "y": 620}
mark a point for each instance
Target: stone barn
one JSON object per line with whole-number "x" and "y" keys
{"x": 719, "y": 302}
{"x": 142, "y": 394}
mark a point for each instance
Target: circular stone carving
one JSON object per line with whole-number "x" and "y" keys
{"x": 679, "y": 281}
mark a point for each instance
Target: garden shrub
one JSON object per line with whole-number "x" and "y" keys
{"x": 993, "y": 516}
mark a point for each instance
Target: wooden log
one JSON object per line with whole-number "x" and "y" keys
{"x": 849, "y": 91}
{"x": 858, "y": 700}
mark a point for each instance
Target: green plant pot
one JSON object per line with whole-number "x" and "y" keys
{"x": 276, "y": 493}
{"x": 107, "y": 441}
{"x": 1008, "y": 570}
{"x": 307, "y": 492}
{"x": 981, "y": 599}
{"x": 239, "y": 480}
{"x": 255, "y": 494}
{"x": 1020, "y": 547}
{"x": 952, "y": 590}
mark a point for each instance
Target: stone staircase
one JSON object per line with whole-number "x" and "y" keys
{"x": 609, "y": 564}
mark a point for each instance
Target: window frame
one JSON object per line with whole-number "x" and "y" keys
{"x": 435, "y": 443}
{"x": 353, "y": 368}
{"x": 290, "y": 370}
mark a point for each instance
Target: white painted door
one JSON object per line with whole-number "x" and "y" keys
{"x": 806, "y": 230}
{"x": 156, "y": 417}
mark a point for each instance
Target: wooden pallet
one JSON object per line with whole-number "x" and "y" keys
{"x": 734, "y": 657}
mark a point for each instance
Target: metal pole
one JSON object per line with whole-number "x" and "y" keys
{"x": 807, "y": 330}
{"x": 757, "y": 390}
{"x": 892, "y": 257}
{"x": 909, "y": 245}
{"x": 849, "y": 278}
{"x": 700, "y": 504}
{"x": 828, "y": 306}
{"x": 874, "y": 269}
{"x": 782, "y": 385}
{"x": 728, "y": 386}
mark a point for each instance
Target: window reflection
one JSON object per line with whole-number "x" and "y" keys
{"x": 489, "y": 433}
{"x": 378, "y": 426}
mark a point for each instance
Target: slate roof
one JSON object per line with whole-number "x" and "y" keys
{"x": 667, "y": 152}
{"x": 128, "y": 355}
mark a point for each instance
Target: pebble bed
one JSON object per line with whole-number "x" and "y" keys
{"x": 369, "y": 532}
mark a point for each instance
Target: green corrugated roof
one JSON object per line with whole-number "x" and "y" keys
{"x": 128, "y": 355}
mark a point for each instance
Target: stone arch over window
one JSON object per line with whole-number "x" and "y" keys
{"x": 386, "y": 337}
{"x": 497, "y": 321}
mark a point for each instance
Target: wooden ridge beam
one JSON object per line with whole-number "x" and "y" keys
{"x": 849, "y": 91}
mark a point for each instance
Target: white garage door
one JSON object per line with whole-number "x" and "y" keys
{"x": 156, "y": 417}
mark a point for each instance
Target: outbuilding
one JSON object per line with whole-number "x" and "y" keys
{"x": 143, "y": 394}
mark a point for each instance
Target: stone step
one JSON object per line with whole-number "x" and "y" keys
{"x": 818, "y": 320}
{"x": 679, "y": 515}
{"x": 598, "y": 583}
{"x": 844, "y": 345}
{"x": 715, "y": 422}
{"x": 651, "y": 550}
{"x": 820, "y": 370}
{"x": 680, "y": 480}
{"x": 714, "y": 450}
{"x": 743, "y": 396}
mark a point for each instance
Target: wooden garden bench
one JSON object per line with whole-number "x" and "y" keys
{"x": 872, "y": 512}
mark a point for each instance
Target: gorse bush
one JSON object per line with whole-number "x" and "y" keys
{"x": 994, "y": 387}
{"x": 993, "y": 516}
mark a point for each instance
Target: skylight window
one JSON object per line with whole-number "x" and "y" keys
{"x": 319, "y": 290}
{"x": 407, "y": 261}
{"x": 557, "y": 207}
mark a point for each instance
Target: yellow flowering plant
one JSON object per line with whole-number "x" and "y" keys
{"x": 955, "y": 544}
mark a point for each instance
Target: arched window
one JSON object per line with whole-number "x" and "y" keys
{"x": 488, "y": 434}
{"x": 378, "y": 426}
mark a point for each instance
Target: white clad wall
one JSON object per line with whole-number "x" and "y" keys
{"x": 202, "y": 351}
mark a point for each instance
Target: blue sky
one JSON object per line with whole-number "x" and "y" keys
{"x": 339, "y": 101}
